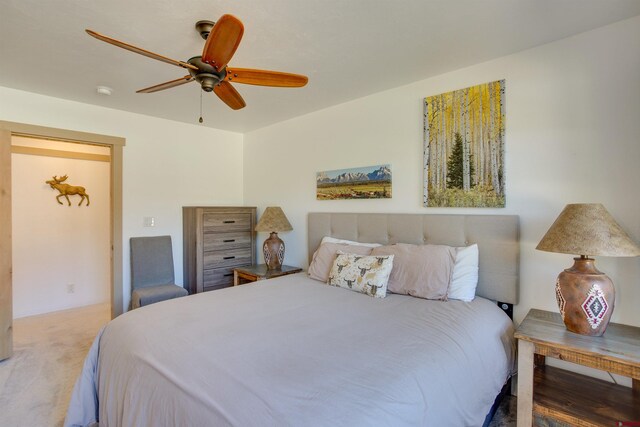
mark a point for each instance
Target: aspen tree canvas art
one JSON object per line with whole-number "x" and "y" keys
{"x": 464, "y": 147}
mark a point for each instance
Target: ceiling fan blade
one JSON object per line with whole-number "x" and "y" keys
{"x": 166, "y": 85}
{"x": 229, "y": 95}
{"x": 140, "y": 50}
{"x": 265, "y": 77}
{"x": 222, "y": 41}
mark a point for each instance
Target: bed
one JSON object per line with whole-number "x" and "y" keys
{"x": 294, "y": 351}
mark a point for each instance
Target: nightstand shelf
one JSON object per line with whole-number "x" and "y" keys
{"x": 553, "y": 396}
{"x": 578, "y": 400}
{"x": 254, "y": 273}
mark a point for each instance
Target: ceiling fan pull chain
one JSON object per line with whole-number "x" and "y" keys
{"x": 200, "y": 120}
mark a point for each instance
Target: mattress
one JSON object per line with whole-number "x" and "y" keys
{"x": 292, "y": 351}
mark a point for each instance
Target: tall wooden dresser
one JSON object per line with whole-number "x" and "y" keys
{"x": 216, "y": 240}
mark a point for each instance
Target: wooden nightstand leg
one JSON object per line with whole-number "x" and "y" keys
{"x": 235, "y": 278}
{"x": 525, "y": 383}
{"x": 635, "y": 385}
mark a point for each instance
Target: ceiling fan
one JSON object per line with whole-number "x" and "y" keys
{"x": 210, "y": 69}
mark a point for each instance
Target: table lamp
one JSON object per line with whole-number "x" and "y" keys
{"x": 273, "y": 220}
{"x": 584, "y": 294}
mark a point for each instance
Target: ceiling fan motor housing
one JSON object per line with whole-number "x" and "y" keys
{"x": 207, "y": 81}
{"x": 206, "y": 74}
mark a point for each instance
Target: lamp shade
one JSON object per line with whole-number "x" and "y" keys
{"x": 587, "y": 229}
{"x": 273, "y": 219}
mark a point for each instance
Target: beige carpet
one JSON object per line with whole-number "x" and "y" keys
{"x": 49, "y": 349}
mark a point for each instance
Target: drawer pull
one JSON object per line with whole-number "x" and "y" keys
{"x": 227, "y": 275}
{"x": 229, "y": 257}
{"x": 228, "y": 222}
{"x": 229, "y": 240}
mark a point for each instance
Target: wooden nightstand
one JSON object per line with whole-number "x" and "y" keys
{"x": 553, "y": 396}
{"x": 252, "y": 273}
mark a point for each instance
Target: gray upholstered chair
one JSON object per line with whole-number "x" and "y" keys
{"x": 152, "y": 278}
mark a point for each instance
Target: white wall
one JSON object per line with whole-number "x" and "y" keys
{"x": 167, "y": 164}
{"x": 572, "y": 135}
{"x": 59, "y": 245}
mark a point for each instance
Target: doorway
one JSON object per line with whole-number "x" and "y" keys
{"x": 115, "y": 146}
{"x": 60, "y": 242}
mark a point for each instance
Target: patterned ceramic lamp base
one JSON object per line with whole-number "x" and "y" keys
{"x": 585, "y": 298}
{"x": 273, "y": 251}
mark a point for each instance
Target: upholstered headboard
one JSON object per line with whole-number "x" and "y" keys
{"x": 497, "y": 237}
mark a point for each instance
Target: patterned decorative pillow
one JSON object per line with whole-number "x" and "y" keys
{"x": 361, "y": 273}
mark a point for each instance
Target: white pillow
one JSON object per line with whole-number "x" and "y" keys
{"x": 327, "y": 239}
{"x": 361, "y": 273}
{"x": 464, "y": 279}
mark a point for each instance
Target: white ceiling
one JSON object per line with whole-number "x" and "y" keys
{"x": 348, "y": 48}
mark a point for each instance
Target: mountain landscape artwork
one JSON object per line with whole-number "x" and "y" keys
{"x": 464, "y": 147}
{"x": 369, "y": 182}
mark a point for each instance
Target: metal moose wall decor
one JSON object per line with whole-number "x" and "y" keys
{"x": 67, "y": 190}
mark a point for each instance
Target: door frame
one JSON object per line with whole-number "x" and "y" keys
{"x": 115, "y": 144}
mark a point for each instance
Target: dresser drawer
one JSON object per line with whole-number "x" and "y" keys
{"x": 227, "y": 258}
{"x": 224, "y": 241}
{"x": 217, "y": 278}
{"x": 220, "y": 222}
